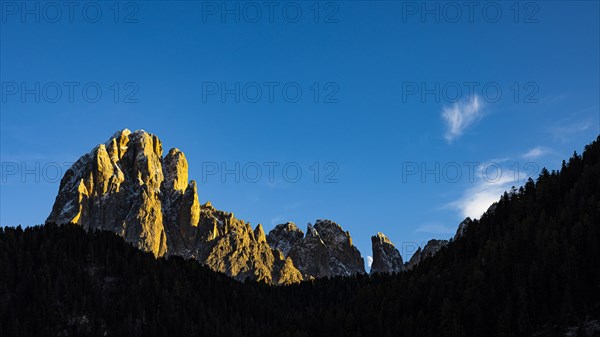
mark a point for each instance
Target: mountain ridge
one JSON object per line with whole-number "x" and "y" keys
{"x": 529, "y": 267}
{"x": 127, "y": 186}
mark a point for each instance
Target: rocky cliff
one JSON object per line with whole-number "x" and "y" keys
{"x": 325, "y": 251}
{"x": 462, "y": 228}
{"x": 117, "y": 187}
{"x": 386, "y": 258}
{"x": 126, "y": 186}
{"x": 430, "y": 249}
{"x": 284, "y": 237}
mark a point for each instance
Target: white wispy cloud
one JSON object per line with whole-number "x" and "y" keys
{"x": 565, "y": 132}
{"x": 460, "y": 116}
{"x": 486, "y": 190}
{"x": 536, "y": 152}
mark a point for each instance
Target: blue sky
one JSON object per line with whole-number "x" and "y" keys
{"x": 377, "y": 94}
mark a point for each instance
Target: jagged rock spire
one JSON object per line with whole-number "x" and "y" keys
{"x": 126, "y": 186}
{"x": 431, "y": 248}
{"x": 326, "y": 250}
{"x": 117, "y": 187}
{"x": 386, "y": 258}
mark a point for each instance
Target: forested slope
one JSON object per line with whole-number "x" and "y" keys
{"x": 531, "y": 266}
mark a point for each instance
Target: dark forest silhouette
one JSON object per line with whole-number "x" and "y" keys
{"x": 530, "y": 266}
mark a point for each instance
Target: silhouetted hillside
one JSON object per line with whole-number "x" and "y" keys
{"x": 531, "y": 266}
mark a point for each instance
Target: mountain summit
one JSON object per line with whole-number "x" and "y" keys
{"x": 126, "y": 186}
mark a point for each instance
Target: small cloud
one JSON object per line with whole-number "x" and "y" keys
{"x": 565, "y": 132}
{"x": 434, "y": 228}
{"x": 460, "y": 116}
{"x": 536, "y": 152}
{"x": 369, "y": 261}
{"x": 486, "y": 190}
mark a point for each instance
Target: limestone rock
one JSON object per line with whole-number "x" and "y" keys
{"x": 231, "y": 246}
{"x": 126, "y": 186}
{"x": 325, "y": 251}
{"x": 284, "y": 237}
{"x": 116, "y": 187}
{"x": 386, "y": 258}
{"x": 175, "y": 171}
{"x": 288, "y": 274}
{"x": 431, "y": 248}
{"x": 182, "y": 211}
{"x": 414, "y": 260}
{"x": 259, "y": 234}
{"x": 462, "y": 228}
{"x": 344, "y": 257}
{"x": 310, "y": 255}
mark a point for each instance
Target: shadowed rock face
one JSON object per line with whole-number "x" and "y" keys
{"x": 462, "y": 228}
{"x": 386, "y": 258}
{"x": 326, "y": 250}
{"x": 284, "y": 237}
{"x": 430, "y": 249}
{"x": 414, "y": 260}
{"x": 310, "y": 255}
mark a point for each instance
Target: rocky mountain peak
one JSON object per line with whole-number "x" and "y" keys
{"x": 380, "y": 237}
{"x": 386, "y": 258}
{"x": 259, "y": 234}
{"x": 326, "y": 250}
{"x": 462, "y": 228}
{"x": 332, "y": 233}
{"x": 125, "y": 185}
{"x": 431, "y": 248}
{"x": 414, "y": 259}
{"x": 312, "y": 231}
{"x": 175, "y": 171}
{"x": 117, "y": 187}
{"x": 284, "y": 236}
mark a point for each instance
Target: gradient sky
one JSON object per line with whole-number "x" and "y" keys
{"x": 387, "y": 108}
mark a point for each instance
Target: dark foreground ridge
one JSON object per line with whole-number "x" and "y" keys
{"x": 530, "y": 267}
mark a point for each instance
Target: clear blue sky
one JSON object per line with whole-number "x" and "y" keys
{"x": 371, "y": 61}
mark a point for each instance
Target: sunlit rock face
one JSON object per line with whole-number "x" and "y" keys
{"x": 229, "y": 245}
{"x": 126, "y": 186}
{"x": 430, "y": 249}
{"x": 386, "y": 258}
{"x": 116, "y": 187}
